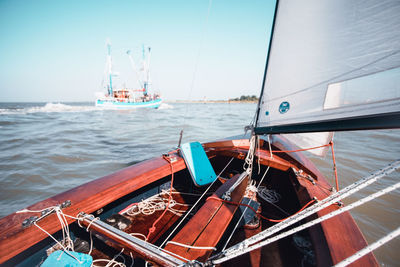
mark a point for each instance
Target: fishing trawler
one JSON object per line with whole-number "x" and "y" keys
{"x": 128, "y": 98}
{"x": 254, "y": 200}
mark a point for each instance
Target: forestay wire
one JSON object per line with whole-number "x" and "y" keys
{"x": 203, "y": 35}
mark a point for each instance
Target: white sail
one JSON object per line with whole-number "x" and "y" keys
{"x": 311, "y": 140}
{"x": 330, "y": 61}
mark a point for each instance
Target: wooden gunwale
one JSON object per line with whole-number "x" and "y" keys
{"x": 87, "y": 198}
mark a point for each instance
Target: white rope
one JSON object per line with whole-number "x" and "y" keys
{"x": 64, "y": 248}
{"x": 192, "y": 247}
{"x": 369, "y": 248}
{"x": 240, "y": 251}
{"x": 111, "y": 262}
{"x": 26, "y": 210}
{"x": 64, "y": 227}
{"x": 155, "y": 203}
{"x": 269, "y": 147}
{"x": 248, "y": 162}
{"x": 268, "y": 195}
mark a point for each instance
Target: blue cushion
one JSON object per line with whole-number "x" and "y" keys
{"x": 60, "y": 258}
{"x": 198, "y": 163}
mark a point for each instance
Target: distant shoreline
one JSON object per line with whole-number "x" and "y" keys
{"x": 209, "y": 101}
{"x": 165, "y": 101}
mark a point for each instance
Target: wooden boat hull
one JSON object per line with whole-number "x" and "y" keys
{"x": 332, "y": 240}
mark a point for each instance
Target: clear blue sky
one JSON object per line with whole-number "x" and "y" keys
{"x": 54, "y": 50}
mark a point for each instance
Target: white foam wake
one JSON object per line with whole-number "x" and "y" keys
{"x": 48, "y": 108}
{"x": 165, "y": 106}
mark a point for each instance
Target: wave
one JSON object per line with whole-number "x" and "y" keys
{"x": 49, "y": 108}
{"x": 165, "y": 106}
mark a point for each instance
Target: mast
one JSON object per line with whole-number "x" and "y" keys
{"x": 146, "y": 70}
{"x": 266, "y": 64}
{"x": 134, "y": 68}
{"x": 109, "y": 68}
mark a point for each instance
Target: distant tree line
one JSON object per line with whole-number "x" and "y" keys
{"x": 245, "y": 98}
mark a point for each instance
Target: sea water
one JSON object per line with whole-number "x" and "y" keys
{"x": 48, "y": 148}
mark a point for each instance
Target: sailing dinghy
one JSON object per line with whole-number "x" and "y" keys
{"x": 251, "y": 200}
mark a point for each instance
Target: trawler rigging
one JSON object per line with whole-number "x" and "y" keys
{"x": 124, "y": 97}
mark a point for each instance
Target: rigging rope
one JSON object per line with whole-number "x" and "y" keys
{"x": 331, "y": 144}
{"x": 238, "y": 252}
{"x": 268, "y": 195}
{"x": 320, "y": 205}
{"x": 362, "y": 183}
{"x": 152, "y": 204}
{"x": 299, "y": 150}
{"x": 334, "y": 166}
{"x": 191, "y": 247}
{"x": 203, "y": 34}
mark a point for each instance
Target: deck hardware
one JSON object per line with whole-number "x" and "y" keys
{"x": 170, "y": 158}
{"x": 300, "y": 173}
{"x": 28, "y": 222}
{"x": 249, "y": 128}
{"x": 227, "y": 194}
{"x": 193, "y": 263}
{"x": 180, "y": 138}
{"x": 173, "y": 159}
{"x": 65, "y": 204}
{"x": 44, "y": 213}
{"x": 99, "y": 211}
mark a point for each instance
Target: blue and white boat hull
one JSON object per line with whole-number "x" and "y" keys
{"x": 128, "y": 105}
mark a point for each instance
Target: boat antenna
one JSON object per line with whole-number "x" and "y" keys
{"x": 147, "y": 71}
{"x": 202, "y": 38}
{"x": 180, "y": 138}
{"x": 109, "y": 67}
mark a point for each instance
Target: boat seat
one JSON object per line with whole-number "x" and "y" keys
{"x": 198, "y": 164}
{"x": 207, "y": 227}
